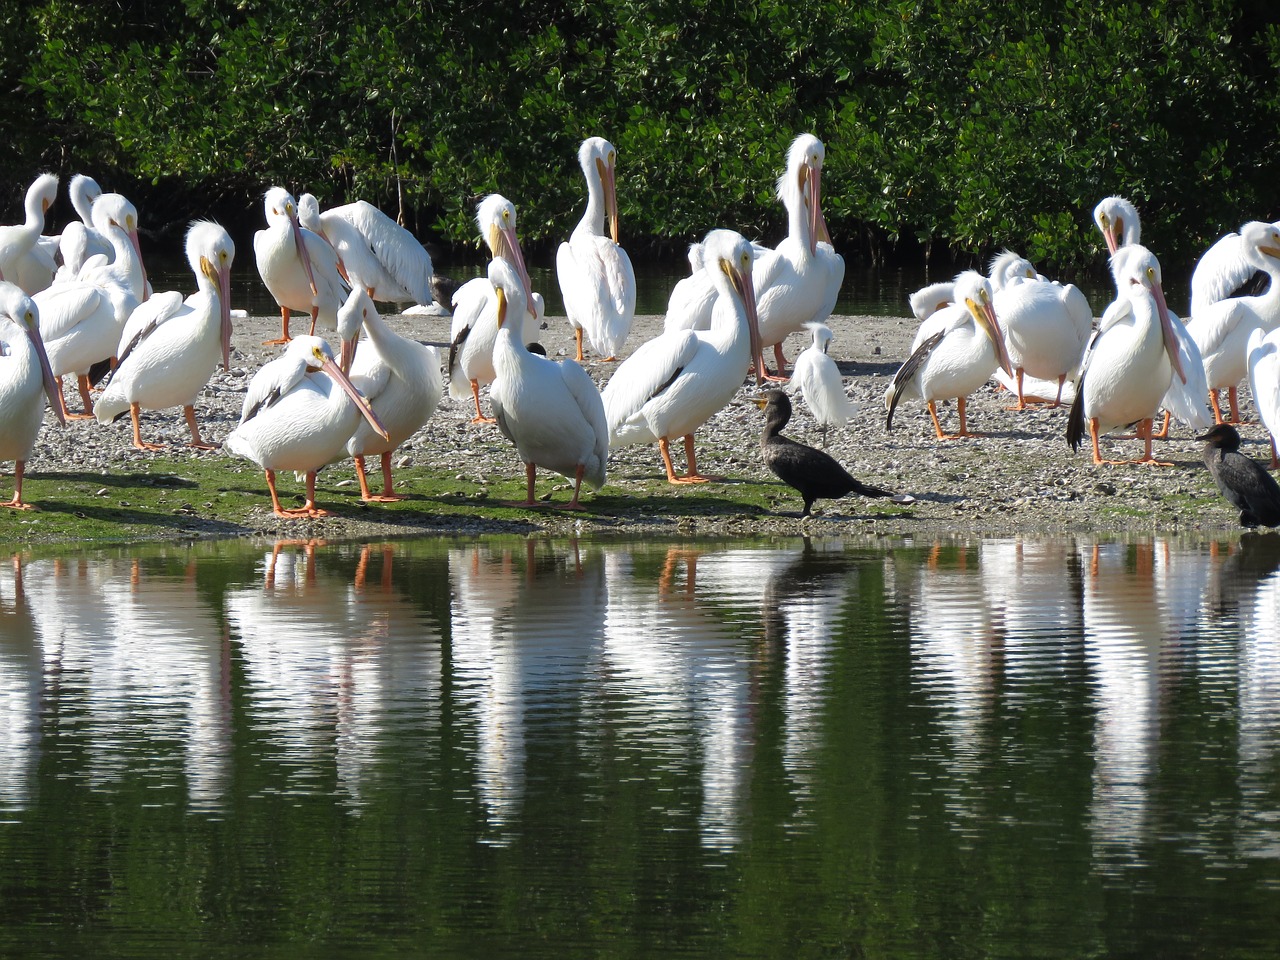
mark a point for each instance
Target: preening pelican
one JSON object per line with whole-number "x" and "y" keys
{"x": 298, "y": 414}
{"x": 1226, "y": 271}
{"x": 931, "y": 298}
{"x": 596, "y": 279}
{"x": 475, "y": 306}
{"x": 170, "y": 346}
{"x": 25, "y": 382}
{"x": 675, "y": 382}
{"x": 374, "y": 252}
{"x": 23, "y": 260}
{"x": 1264, "y": 382}
{"x": 799, "y": 280}
{"x": 1126, "y": 370}
{"x": 1242, "y": 481}
{"x": 954, "y": 353}
{"x": 551, "y": 411}
{"x": 298, "y": 267}
{"x": 1118, "y": 220}
{"x": 116, "y": 219}
{"x": 817, "y": 378}
{"x": 1222, "y": 329}
{"x": 80, "y": 240}
{"x": 1008, "y": 268}
{"x": 401, "y": 380}
{"x": 1046, "y": 327}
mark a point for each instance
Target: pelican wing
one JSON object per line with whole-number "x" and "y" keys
{"x": 906, "y": 373}
{"x": 145, "y": 318}
{"x": 1211, "y": 328}
{"x": 64, "y": 306}
{"x": 1224, "y": 272}
{"x": 649, "y": 370}
{"x": 586, "y": 395}
{"x": 397, "y": 250}
{"x": 276, "y": 378}
{"x": 470, "y": 303}
{"x": 1264, "y": 377}
{"x": 1186, "y": 401}
{"x": 690, "y": 304}
{"x": 370, "y": 373}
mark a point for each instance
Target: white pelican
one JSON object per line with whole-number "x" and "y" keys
{"x": 1226, "y": 271}
{"x": 374, "y": 252}
{"x": 1127, "y": 368}
{"x": 799, "y": 280}
{"x": 692, "y": 298}
{"x": 298, "y": 414}
{"x": 80, "y": 240}
{"x": 474, "y": 329}
{"x": 23, "y": 260}
{"x": 1264, "y": 382}
{"x": 116, "y": 219}
{"x": 401, "y": 380}
{"x": 551, "y": 411}
{"x": 170, "y": 346}
{"x": 1008, "y": 269}
{"x": 931, "y": 298}
{"x": 673, "y": 383}
{"x": 596, "y": 278}
{"x": 1120, "y": 225}
{"x": 954, "y": 353}
{"x": 818, "y": 379}
{"x": 25, "y": 382}
{"x": 81, "y": 325}
{"x": 1222, "y": 329}
{"x": 1046, "y": 328}
{"x": 298, "y": 267}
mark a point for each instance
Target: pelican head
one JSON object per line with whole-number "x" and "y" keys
{"x": 353, "y": 313}
{"x": 309, "y": 213}
{"x": 974, "y": 291}
{"x": 84, "y": 191}
{"x": 1008, "y": 267}
{"x": 803, "y": 179}
{"x": 210, "y": 252}
{"x": 732, "y": 255}
{"x": 598, "y": 158}
{"x": 496, "y": 218}
{"x": 41, "y": 194}
{"x": 112, "y": 211}
{"x": 1137, "y": 272}
{"x": 280, "y": 206}
{"x": 1261, "y": 243}
{"x": 1117, "y": 218}
{"x": 15, "y": 305}
{"x": 318, "y": 356}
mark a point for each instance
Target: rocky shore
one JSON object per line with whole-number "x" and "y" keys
{"x": 1020, "y": 477}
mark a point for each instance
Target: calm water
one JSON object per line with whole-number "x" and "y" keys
{"x": 999, "y": 748}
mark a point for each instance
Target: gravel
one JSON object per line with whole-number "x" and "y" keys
{"x": 1018, "y": 478}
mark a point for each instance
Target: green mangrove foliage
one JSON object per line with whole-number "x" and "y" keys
{"x": 957, "y": 124}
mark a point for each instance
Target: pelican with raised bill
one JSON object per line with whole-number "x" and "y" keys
{"x": 171, "y": 346}
{"x": 399, "y": 377}
{"x": 1127, "y": 369}
{"x": 298, "y": 267}
{"x": 954, "y": 353}
{"x": 675, "y": 382}
{"x": 550, "y": 410}
{"x": 596, "y": 278}
{"x": 26, "y": 381}
{"x": 298, "y": 414}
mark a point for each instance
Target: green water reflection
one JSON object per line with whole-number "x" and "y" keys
{"x": 1011, "y": 748}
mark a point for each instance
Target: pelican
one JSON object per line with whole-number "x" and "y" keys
{"x": 931, "y": 298}
{"x": 1046, "y": 327}
{"x": 799, "y": 280}
{"x": 171, "y": 346}
{"x": 23, "y": 260}
{"x": 673, "y": 383}
{"x": 25, "y": 382}
{"x": 116, "y": 219}
{"x": 401, "y": 380}
{"x": 1222, "y": 329}
{"x": 691, "y": 298}
{"x": 374, "y": 252}
{"x": 1118, "y": 221}
{"x": 475, "y": 306}
{"x": 954, "y": 353}
{"x": 1126, "y": 371}
{"x": 1226, "y": 271}
{"x": 1008, "y": 269}
{"x": 1264, "y": 382}
{"x": 551, "y": 411}
{"x": 299, "y": 267}
{"x": 80, "y": 240}
{"x": 596, "y": 279}
{"x": 81, "y": 324}
{"x": 817, "y": 377}
{"x": 298, "y": 414}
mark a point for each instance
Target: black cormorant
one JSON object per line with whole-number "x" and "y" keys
{"x": 1244, "y": 482}
{"x": 810, "y": 471}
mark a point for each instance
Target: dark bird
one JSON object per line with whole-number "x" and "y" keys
{"x": 1244, "y": 482}
{"x": 808, "y": 470}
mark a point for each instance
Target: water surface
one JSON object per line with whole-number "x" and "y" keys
{"x": 961, "y": 748}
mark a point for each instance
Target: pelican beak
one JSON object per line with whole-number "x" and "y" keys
{"x": 985, "y": 315}
{"x": 811, "y": 174}
{"x": 504, "y": 243}
{"x": 742, "y": 282}
{"x": 301, "y": 246}
{"x": 137, "y": 249}
{"x": 608, "y": 180}
{"x": 50, "y": 382}
{"x": 347, "y": 353}
{"x": 1112, "y": 231}
{"x": 340, "y": 378}
{"x": 1167, "y": 331}
{"x": 221, "y": 279}
{"x": 502, "y": 305}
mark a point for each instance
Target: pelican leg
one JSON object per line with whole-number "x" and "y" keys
{"x": 284, "y": 330}
{"x": 1057, "y": 400}
{"x": 938, "y": 432}
{"x": 781, "y": 376}
{"x": 475, "y": 396}
{"x": 1233, "y": 401}
{"x": 530, "y": 470}
{"x": 1217, "y": 410}
{"x": 693, "y": 476}
{"x": 1275, "y": 460}
{"x": 1022, "y": 400}
{"x": 388, "y": 495}
{"x": 82, "y": 381}
{"x": 1093, "y": 435}
{"x": 365, "y": 493}
{"x": 19, "y": 468}
{"x": 278, "y": 510}
{"x": 135, "y": 413}
{"x": 309, "y": 508}
{"x": 1163, "y": 432}
{"x": 1146, "y": 429}
{"x": 577, "y": 336}
{"x": 315, "y": 314}
{"x": 196, "y": 440}
{"x": 664, "y": 448}
{"x": 577, "y": 489}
